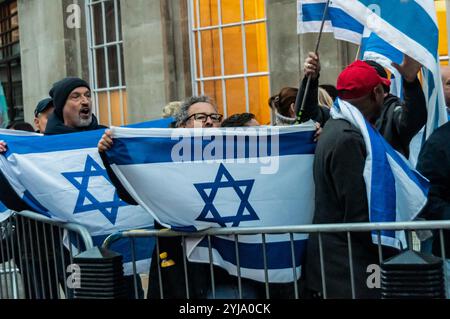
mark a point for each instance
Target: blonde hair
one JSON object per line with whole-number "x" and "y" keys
{"x": 171, "y": 109}
{"x": 325, "y": 98}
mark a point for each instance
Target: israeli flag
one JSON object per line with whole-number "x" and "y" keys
{"x": 399, "y": 193}
{"x": 342, "y": 25}
{"x": 63, "y": 177}
{"x": 411, "y": 27}
{"x": 193, "y": 179}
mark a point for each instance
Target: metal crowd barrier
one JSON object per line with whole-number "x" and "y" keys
{"x": 410, "y": 228}
{"x": 34, "y": 258}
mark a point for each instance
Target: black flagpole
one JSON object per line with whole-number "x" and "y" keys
{"x": 299, "y": 111}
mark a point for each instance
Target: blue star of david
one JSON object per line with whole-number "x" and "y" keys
{"x": 238, "y": 188}
{"x": 93, "y": 169}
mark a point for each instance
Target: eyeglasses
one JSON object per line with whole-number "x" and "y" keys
{"x": 203, "y": 117}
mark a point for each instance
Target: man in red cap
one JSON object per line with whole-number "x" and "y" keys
{"x": 340, "y": 190}
{"x": 400, "y": 120}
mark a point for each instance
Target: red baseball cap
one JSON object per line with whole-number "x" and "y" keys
{"x": 358, "y": 80}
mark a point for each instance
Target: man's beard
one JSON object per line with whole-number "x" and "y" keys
{"x": 85, "y": 122}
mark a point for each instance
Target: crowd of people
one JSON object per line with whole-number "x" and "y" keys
{"x": 340, "y": 190}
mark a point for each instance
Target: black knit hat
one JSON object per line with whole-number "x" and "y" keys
{"x": 61, "y": 90}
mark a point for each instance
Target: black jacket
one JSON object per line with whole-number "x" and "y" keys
{"x": 340, "y": 197}
{"x": 312, "y": 111}
{"x": 434, "y": 163}
{"x": 399, "y": 121}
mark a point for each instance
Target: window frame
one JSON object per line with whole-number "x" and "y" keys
{"x": 93, "y": 47}
{"x": 195, "y": 28}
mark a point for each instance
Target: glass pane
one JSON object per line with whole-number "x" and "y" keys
{"x": 119, "y": 18}
{"x": 15, "y": 35}
{"x": 256, "y": 45}
{"x": 100, "y": 68}
{"x": 208, "y": 13}
{"x": 213, "y": 89}
{"x": 110, "y": 21}
{"x": 258, "y": 88}
{"x": 16, "y": 49}
{"x": 231, "y": 11}
{"x": 103, "y": 110}
{"x": 115, "y": 105}
{"x": 97, "y": 23}
{"x": 113, "y": 67}
{"x": 235, "y": 96}
{"x": 125, "y": 106}
{"x": 253, "y": 9}
{"x": 197, "y": 55}
{"x": 194, "y": 11}
{"x": 13, "y": 7}
{"x": 211, "y": 53}
{"x": 233, "y": 56}
{"x": 122, "y": 66}
{"x": 15, "y": 21}
{"x": 115, "y": 108}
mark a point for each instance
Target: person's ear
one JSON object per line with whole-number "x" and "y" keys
{"x": 36, "y": 123}
{"x": 373, "y": 94}
{"x": 292, "y": 110}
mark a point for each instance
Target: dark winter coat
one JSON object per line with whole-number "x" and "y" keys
{"x": 340, "y": 197}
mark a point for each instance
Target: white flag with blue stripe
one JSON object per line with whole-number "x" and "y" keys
{"x": 344, "y": 27}
{"x": 63, "y": 177}
{"x": 193, "y": 179}
{"x": 411, "y": 27}
{"x": 395, "y": 192}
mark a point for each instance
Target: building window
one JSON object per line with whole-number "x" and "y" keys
{"x": 106, "y": 67}
{"x": 229, "y": 54}
{"x": 10, "y": 69}
{"x": 9, "y": 30}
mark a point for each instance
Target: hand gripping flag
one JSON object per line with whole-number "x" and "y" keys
{"x": 193, "y": 179}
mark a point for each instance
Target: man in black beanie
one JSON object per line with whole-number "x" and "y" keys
{"x": 73, "y": 108}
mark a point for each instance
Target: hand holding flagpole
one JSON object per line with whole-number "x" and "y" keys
{"x": 299, "y": 110}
